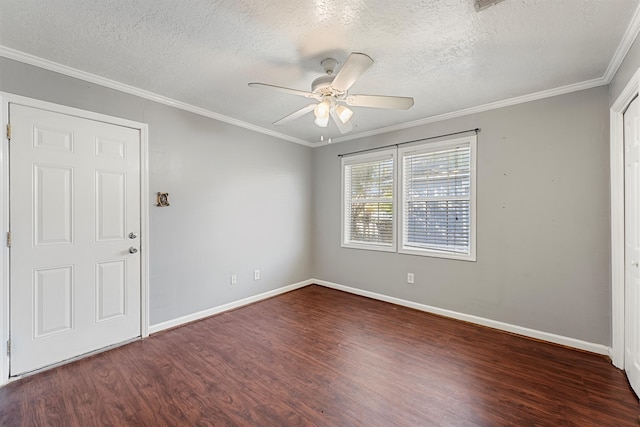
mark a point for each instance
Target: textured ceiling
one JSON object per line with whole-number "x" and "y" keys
{"x": 442, "y": 52}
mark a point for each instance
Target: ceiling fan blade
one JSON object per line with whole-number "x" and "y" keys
{"x": 286, "y": 90}
{"x": 301, "y": 112}
{"x": 355, "y": 65}
{"x": 342, "y": 127}
{"x": 379, "y": 101}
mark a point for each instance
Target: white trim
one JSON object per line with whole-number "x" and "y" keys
{"x": 623, "y": 48}
{"x": 70, "y": 111}
{"x": 225, "y": 307}
{"x": 144, "y": 230}
{"x": 5, "y": 99}
{"x": 428, "y": 147}
{"x": 478, "y": 109}
{"x": 4, "y": 251}
{"x": 531, "y": 333}
{"x": 616, "y": 153}
{"x": 26, "y": 58}
{"x": 364, "y": 158}
{"x": 616, "y": 159}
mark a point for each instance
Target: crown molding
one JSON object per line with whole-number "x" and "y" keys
{"x": 26, "y": 58}
{"x": 632, "y": 31}
{"x": 623, "y": 48}
{"x": 480, "y": 108}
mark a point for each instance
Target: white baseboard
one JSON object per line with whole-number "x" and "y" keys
{"x": 225, "y": 307}
{"x": 532, "y": 333}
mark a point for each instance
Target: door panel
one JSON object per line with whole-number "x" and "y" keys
{"x": 111, "y": 284}
{"x": 51, "y": 139}
{"x": 632, "y": 244}
{"x": 53, "y": 205}
{"x": 53, "y": 295}
{"x": 74, "y": 199}
{"x": 110, "y": 205}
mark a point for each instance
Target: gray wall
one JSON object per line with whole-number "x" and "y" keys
{"x": 542, "y": 221}
{"x": 240, "y": 200}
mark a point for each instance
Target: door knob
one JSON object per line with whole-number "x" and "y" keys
{"x": 133, "y": 235}
{"x": 132, "y": 250}
{"x": 634, "y": 264}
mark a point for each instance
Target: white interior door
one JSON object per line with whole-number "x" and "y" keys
{"x": 632, "y": 244}
{"x": 74, "y": 200}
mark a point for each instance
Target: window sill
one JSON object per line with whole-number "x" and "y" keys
{"x": 369, "y": 247}
{"x": 438, "y": 254}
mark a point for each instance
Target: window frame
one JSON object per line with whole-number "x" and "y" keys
{"x": 471, "y": 141}
{"x": 366, "y": 158}
{"x": 398, "y": 203}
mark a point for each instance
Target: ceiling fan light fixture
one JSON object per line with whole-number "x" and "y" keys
{"x": 343, "y": 113}
{"x": 322, "y": 121}
{"x": 322, "y": 111}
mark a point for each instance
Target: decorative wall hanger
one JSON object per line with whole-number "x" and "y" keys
{"x": 163, "y": 200}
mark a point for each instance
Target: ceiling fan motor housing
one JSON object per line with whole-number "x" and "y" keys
{"x": 322, "y": 85}
{"x": 329, "y": 65}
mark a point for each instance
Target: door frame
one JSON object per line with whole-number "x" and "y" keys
{"x": 5, "y": 100}
{"x": 616, "y": 153}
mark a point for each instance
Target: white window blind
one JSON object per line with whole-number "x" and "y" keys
{"x": 437, "y": 199}
{"x": 368, "y": 201}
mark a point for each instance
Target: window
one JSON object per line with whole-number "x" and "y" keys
{"x": 368, "y": 188}
{"x": 436, "y": 199}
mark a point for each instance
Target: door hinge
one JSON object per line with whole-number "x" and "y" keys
{"x": 9, "y": 131}
{"x": 9, "y": 239}
{"x": 8, "y": 347}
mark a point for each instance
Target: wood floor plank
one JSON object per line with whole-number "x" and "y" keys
{"x": 321, "y": 357}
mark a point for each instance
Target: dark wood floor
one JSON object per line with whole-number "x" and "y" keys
{"x": 320, "y": 357}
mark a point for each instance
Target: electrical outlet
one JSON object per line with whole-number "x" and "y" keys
{"x": 256, "y": 274}
{"x": 234, "y": 279}
{"x": 410, "y": 278}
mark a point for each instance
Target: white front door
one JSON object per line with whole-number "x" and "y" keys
{"x": 75, "y": 221}
{"x": 632, "y": 244}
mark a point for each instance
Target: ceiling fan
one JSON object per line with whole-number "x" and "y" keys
{"x": 331, "y": 92}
